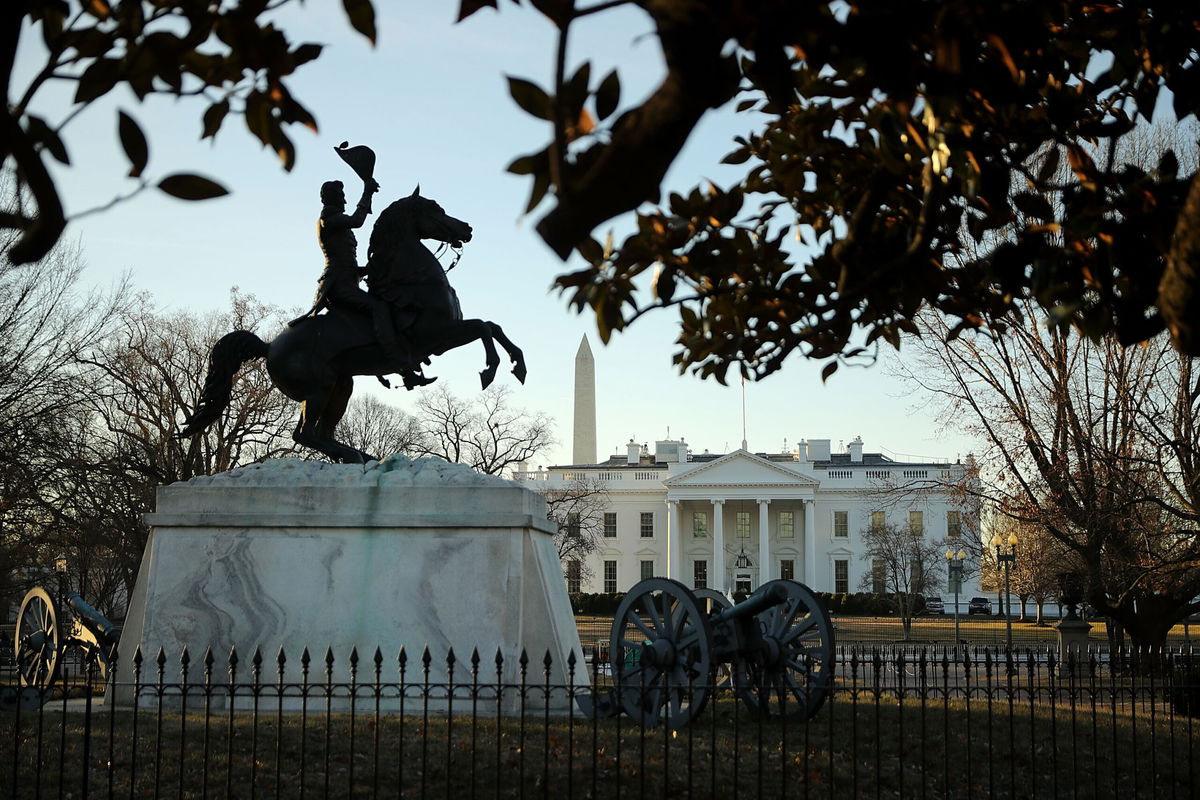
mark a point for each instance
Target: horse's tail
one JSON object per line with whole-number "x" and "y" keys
{"x": 228, "y": 354}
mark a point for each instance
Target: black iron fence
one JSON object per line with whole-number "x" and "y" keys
{"x": 932, "y": 722}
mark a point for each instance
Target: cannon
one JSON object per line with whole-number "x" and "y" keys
{"x": 671, "y": 649}
{"x": 44, "y": 635}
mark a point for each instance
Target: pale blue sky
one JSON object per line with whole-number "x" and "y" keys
{"x": 432, "y": 101}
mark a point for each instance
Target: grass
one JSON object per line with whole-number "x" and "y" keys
{"x": 857, "y": 745}
{"x": 925, "y": 630}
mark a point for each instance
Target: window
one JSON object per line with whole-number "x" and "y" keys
{"x": 787, "y": 525}
{"x": 878, "y": 520}
{"x": 917, "y": 572}
{"x": 841, "y": 576}
{"x": 741, "y": 524}
{"x": 953, "y": 524}
{"x": 841, "y": 524}
{"x": 647, "y": 569}
{"x": 699, "y": 574}
{"x": 610, "y": 525}
{"x": 572, "y": 524}
{"x": 787, "y": 569}
{"x": 647, "y": 524}
{"x": 878, "y": 576}
{"x": 610, "y": 577}
{"x": 573, "y": 573}
{"x": 916, "y": 523}
{"x": 699, "y": 523}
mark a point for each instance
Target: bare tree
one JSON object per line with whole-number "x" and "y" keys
{"x": 578, "y": 511}
{"x": 488, "y": 435}
{"x": 905, "y": 562}
{"x": 373, "y": 426}
{"x": 46, "y": 322}
{"x": 124, "y": 444}
{"x": 1094, "y": 443}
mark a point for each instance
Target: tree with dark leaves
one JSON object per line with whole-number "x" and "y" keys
{"x": 894, "y": 131}
{"x": 225, "y": 58}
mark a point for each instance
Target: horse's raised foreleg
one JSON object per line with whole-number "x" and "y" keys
{"x": 514, "y": 353}
{"x": 456, "y": 334}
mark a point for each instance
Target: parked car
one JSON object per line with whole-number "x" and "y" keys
{"x": 979, "y": 605}
{"x": 934, "y": 605}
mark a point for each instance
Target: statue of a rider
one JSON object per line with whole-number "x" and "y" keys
{"x": 338, "y": 286}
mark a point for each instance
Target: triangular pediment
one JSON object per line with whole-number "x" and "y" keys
{"x": 740, "y": 468}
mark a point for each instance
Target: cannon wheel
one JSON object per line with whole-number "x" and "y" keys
{"x": 790, "y": 676}
{"x": 39, "y": 639}
{"x": 713, "y": 602}
{"x": 661, "y": 653}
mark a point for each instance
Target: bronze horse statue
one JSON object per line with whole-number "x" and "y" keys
{"x": 314, "y": 362}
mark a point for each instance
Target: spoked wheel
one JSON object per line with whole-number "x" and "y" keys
{"x": 38, "y": 639}
{"x": 661, "y": 653}
{"x": 790, "y": 675}
{"x": 713, "y": 602}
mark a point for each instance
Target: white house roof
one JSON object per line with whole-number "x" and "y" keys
{"x": 744, "y": 473}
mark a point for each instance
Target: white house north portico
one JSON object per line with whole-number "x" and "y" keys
{"x": 776, "y": 496}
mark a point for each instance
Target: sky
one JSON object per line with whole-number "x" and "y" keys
{"x": 431, "y": 99}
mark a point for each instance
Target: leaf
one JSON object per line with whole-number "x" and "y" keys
{"x": 530, "y": 97}
{"x": 575, "y": 91}
{"x": 531, "y": 164}
{"x": 213, "y": 118}
{"x": 469, "y": 7}
{"x": 541, "y": 184}
{"x": 100, "y": 9}
{"x": 739, "y": 156}
{"x": 38, "y": 131}
{"x": 362, "y": 17}
{"x": 828, "y": 370}
{"x": 133, "y": 142}
{"x": 608, "y": 95}
{"x": 305, "y": 53}
{"x": 1049, "y": 165}
{"x": 187, "y": 186}
{"x": 1033, "y": 205}
{"x": 97, "y": 80}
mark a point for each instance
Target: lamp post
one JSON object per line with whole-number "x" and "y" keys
{"x": 955, "y": 562}
{"x": 1007, "y": 559}
{"x": 60, "y": 569}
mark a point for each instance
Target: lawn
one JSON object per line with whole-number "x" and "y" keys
{"x": 859, "y": 744}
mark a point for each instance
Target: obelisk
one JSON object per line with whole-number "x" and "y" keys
{"x": 584, "y": 451}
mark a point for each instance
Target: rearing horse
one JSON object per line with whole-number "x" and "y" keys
{"x": 314, "y": 363}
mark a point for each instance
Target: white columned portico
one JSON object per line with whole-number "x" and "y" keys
{"x": 718, "y": 581}
{"x": 810, "y": 545}
{"x": 764, "y": 542}
{"x": 674, "y": 541}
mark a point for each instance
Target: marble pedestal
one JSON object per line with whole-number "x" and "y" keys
{"x": 1073, "y": 644}
{"x": 293, "y": 555}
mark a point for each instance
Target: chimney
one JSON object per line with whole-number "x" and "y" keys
{"x": 856, "y": 450}
{"x": 633, "y": 453}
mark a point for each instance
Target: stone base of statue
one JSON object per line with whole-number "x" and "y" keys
{"x": 401, "y": 556}
{"x": 1073, "y": 645}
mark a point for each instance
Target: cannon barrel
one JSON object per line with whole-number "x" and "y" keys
{"x": 93, "y": 620}
{"x": 753, "y": 605}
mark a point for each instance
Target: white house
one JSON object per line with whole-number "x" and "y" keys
{"x": 736, "y": 520}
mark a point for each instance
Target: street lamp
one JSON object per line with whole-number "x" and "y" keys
{"x": 955, "y": 562}
{"x": 1007, "y": 559}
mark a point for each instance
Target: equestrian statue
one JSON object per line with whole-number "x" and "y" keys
{"x": 409, "y": 313}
